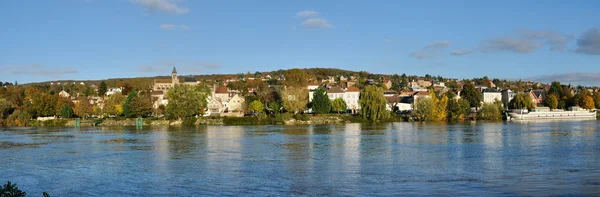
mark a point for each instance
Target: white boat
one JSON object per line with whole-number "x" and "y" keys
{"x": 544, "y": 113}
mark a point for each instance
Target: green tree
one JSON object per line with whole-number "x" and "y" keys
{"x": 551, "y": 101}
{"x": 597, "y": 99}
{"x": 296, "y": 78}
{"x": 294, "y": 98}
{"x": 373, "y": 104}
{"x": 423, "y": 109}
{"x": 5, "y": 106}
{"x": 556, "y": 89}
{"x": 11, "y": 190}
{"x": 141, "y": 106}
{"x": 587, "y": 102}
{"x": 321, "y": 103}
{"x": 113, "y": 105}
{"x": 127, "y": 104}
{"x": 521, "y": 101}
{"x": 471, "y": 94}
{"x": 186, "y": 100}
{"x": 490, "y": 111}
{"x": 66, "y": 111}
{"x": 256, "y": 106}
{"x": 339, "y": 105}
{"x": 18, "y": 118}
{"x": 102, "y": 89}
{"x": 457, "y": 109}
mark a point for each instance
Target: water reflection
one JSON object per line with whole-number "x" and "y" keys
{"x": 468, "y": 159}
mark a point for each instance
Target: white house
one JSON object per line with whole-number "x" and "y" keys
{"x": 64, "y": 94}
{"x": 491, "y": 95}
{"x": 311, "y": 91}
{"x": 351, "y": 97}
{"x": 112, "y": 91}
{"x": 507, "y": 96}
{"x": 236, "y": 104}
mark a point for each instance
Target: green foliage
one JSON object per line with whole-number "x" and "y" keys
{"x": 140, "y": 107}
{"x": 189, "y": 121}
{"x": 11, "y": 190}
{"x": 302, "y": 117}
{"x": 490, "y": 111}
{"x": 423, "y": 109}
{"x": 556, "y": 89}
{"x": 295, "y": 99}
{"x": 127, "y": 104}
{"x": 521, "y": 101}
{"x": 373, "y": 104}
{"x": 275, "y": 106}
{"x": 457, "y": 109}
{"x": 186, "y": 100}
{"x": 5, "y": 106}
{"x": 296, "y": 78}
{"x": 102, "y": 89}
{"x": 113, "y": 105}
{"x": 339, "y": 105}
{"x": 251, "y": 120}
{"x": 256, "y": 106}
{"x": 18, "y": 118}
{"x": 472, "y": 95}
{"x": 597, "y": 100}
{"x": 321, "y": 103}
{"x": 551, "y": 101}
{"x": 66, "y": 111}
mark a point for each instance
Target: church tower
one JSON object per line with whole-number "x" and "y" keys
{"x": 174, "y": 79}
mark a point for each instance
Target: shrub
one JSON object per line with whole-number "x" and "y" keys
{"x": 189, "y": 121}
{"x": 302, "y": 117}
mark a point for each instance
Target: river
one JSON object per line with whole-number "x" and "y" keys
{"x": 408, "y": 159}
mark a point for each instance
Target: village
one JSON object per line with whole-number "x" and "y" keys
{"x": 233, "y": 96}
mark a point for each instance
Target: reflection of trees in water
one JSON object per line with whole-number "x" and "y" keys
{"x": 298, "y": 153}
{"x": 183, "y": 141}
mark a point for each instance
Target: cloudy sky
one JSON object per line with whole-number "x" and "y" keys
{"x": 98, "y": 39}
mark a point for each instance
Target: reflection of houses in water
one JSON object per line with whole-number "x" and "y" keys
{"x": 224, "y": 142}
{"x": 352, "y": 147}
{"x": 160, "y": 138}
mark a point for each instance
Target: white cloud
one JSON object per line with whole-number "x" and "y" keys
{"x": 554, "y": 39}
{"x": 316, "y": 23}
{"x": 579, "y": 78}
{"x": 461, "y": 52}
{"x": 167, "y": 26}
{"x": 308, "y": 14}
{"x": 165, "y": 6}
{"x": 509, "y": 44}
{"x": 387, "y": 41}
{"x": 589, "y": 42}
{"x": 172, "y": 27}
{"x": 431, "y": 50}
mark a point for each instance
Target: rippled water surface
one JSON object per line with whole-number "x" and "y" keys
{"x": 484, "y": 159}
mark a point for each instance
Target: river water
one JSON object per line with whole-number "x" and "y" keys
{"x": 472, "y": 159}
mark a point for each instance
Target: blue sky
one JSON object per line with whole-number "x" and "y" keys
{"x": 93, "y": 39}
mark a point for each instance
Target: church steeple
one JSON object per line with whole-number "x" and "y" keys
{"x": 174, "y": 79}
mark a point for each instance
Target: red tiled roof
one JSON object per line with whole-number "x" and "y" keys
{"x": 353, "y": 89}
{"x": 335, "y": 90}
{"x": 221, "y": 90}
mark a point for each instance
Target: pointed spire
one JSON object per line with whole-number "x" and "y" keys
{"x": 174, "y": 70}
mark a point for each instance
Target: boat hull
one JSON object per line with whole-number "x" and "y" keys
{"x": 561, "y": 115}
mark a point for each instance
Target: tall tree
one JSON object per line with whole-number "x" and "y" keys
{"x": 4, "y": 108}
{"x": 339, "y": 105}
{"x": 66, "y": 111}
{"x": 102, "y": 89}
{"x": 597, "y": 99}
{"x": 521, "y": 101}
{"x": 256, "y": 106}
{"x": 457, "y": 109}
{"x": 83, "y": 108}
{"x": 551, "y": 101}
{"x": 556, "y": 89}
{"x": 186, "y": 100}
{"x": 294, "y": 98}
{"x": 113, "y": 105}
{"x": 373, "y": 103}
{"x": 472, "y": 95}
{"x": 587, "y": 102}
{"x": 296, "y": 78}
{"x": 127, "y": 104}
{"x": 141, "y": 106}
{"x": 490, "y": 111}
{"x": 321, "y": 103}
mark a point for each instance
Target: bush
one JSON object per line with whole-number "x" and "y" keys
{"x": 189, "y": 121}
{"x": 302, "y": 117}
{"x": 11, "y": 190}
{"x": 18, "y": 118}
{"x": 250, "y": 120}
